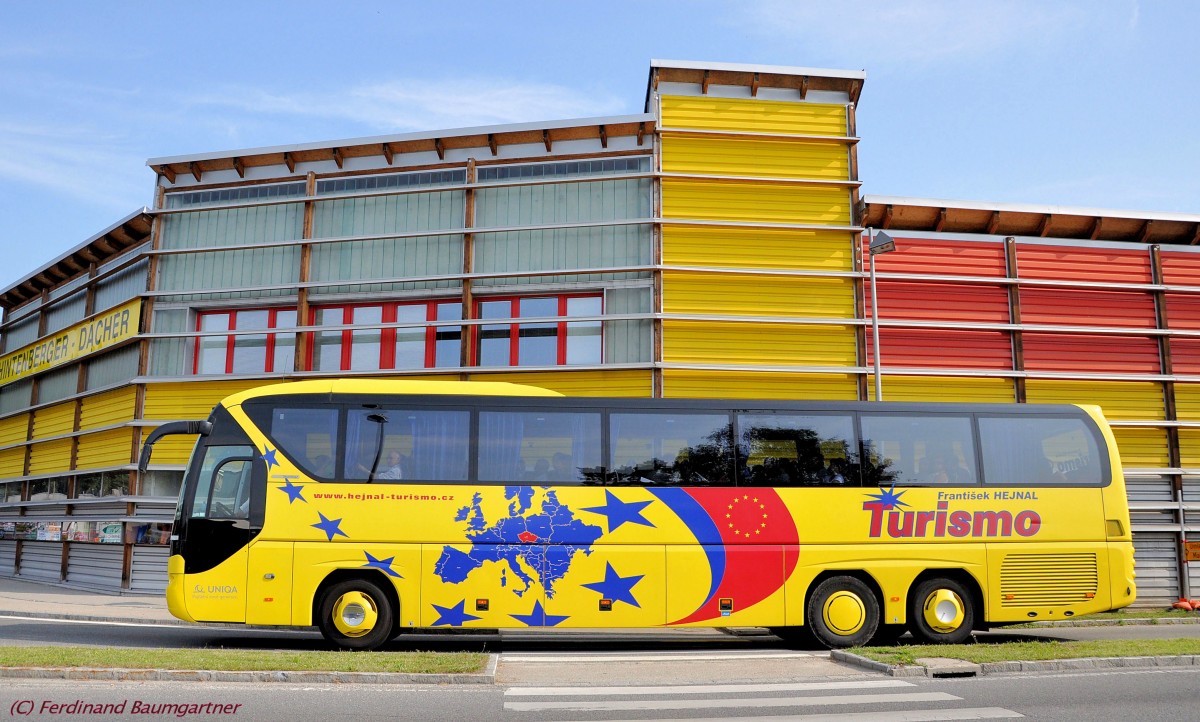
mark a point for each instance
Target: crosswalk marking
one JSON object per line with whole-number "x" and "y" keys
{"x": 660, "y": 704}
{"x": 554, "y": 658}
{"x": 702, "y": 689}
{"x": 916, "y": 715}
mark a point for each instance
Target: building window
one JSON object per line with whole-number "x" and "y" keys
{"x": 246, "y": 353}
{"x": 411, "y": 347}
{"x": 553, "y": 342}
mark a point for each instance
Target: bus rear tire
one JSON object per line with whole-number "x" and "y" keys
{"x": 356, "y": 614}
{"x": 843, "y": 612}
{"x": 941, "y": 611}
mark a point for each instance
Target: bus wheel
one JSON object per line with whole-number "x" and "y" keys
{"x": 356, "y": 614}
{"x": 941, "y": 612}
{"x": 843, "y": 612}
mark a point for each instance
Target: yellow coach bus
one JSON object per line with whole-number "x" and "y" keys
{"x": 370, "y": 507}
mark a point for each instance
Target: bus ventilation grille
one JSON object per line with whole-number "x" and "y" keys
{"x": 1048, "y": 579}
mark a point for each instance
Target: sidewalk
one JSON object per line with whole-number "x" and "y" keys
{"x": 20, "y": 598}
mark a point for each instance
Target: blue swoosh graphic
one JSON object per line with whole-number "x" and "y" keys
{"x": 702, "y": 527}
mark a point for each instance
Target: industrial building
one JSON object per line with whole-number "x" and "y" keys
{"x": 714, "y": 245}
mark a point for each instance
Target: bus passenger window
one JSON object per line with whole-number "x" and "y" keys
{"x": 1043, "y": 451}
{"x": 915, "y": 450}
{"x": 671, "y": 449}
{"x": 789, "y": 450}
{"x": 539, "y": 448}
{"x": 389, "y": 444}
{"x": 307, "y": 436}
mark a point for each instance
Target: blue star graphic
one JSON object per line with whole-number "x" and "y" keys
{"x": 616, "y": 587}
{"x": 538, "y": 617}
{"x": 453, "y": 616}
{"x": 889, "y": 498}
{"x": 384, "y": 565}
{"x": 294, "y": 492}
{"x": 330, "y": 527}
{"x": 268, "y": 456}
{"x": 619, "y": 512}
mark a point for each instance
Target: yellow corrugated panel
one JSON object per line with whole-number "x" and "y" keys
{"x": 171, "y": 450}
{"x": 1187, "y": 402}
{"x": 629, "y": 383}
{"x": 12, "y": 462}
{"x": 106, "y": 409}
{"x": 758, "y": 344}
{"x": 731, "y": 295}
{"x": 107, "y": 448}
{"x": 753, "y": 116}
{"x": 944, "y": 389}
{"x": 191, "y": 400}
{"x": 684, "y": 383}
{"x": 54, "y": 420}
{"x": 755, "y": 157}
{"x": 1142, "y": 448}
{"x": 50, "y": 456}
{"x": 758, "y": 248}
{"x": 14, "y": 429}
{"x": 1189, "y": 448}
{"x": 1121, "y": 400}
{"x": 755, "y": 202}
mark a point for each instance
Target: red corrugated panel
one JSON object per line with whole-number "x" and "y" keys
{"x": 1093, "y": 354}
{"x": 1181, "y": 268}
{"x": 1065, "y": 263}
{"x": 1185, "y": 355}
{"x": 941, "y": 257}
{"x": 950, "y": 302}
{"x": 1183, "y": 310}
{"x": 936, "y": 348}
{"x": 1067, "y": 307}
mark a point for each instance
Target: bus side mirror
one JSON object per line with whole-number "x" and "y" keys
{"x": 203, "y": 428}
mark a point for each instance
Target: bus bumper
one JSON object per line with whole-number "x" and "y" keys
{"x": 175, "y": 589}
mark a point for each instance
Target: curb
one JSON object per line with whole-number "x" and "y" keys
{"x": 488, "y": 676}
{"x": 135, "y": 620}
{"x": 987, "y": 668}
{"x": 1139, "y": 622}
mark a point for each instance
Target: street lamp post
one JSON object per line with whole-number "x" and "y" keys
{"x": 880, "y": 243}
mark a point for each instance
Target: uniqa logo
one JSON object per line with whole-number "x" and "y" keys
{"x": 215, "y": 589}
{"x": 886, "y": 516}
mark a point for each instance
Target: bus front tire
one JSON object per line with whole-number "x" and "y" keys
{"x": 843, "y": 612}
{"x": 356, "y": 614}
{"x": 941, "y": 611}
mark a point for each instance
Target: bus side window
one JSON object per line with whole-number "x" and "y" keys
{"x": 918, "y": 450}
{"x": 536, "y": 447}
{"x": 670, "y": 449}
{"x": 792, "y": 450}
{"x": 1045, "y": 451}
{"x": 220, "y": 481}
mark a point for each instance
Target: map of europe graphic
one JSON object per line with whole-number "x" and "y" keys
{"x": 546, "y": 539}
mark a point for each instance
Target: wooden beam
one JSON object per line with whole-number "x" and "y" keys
{"x": 492, "y": 143}
{"x": 72, "y": 264}
{"x": 1195, "y": 235}
{"x": 1044, "y": 227}
{"x": 290, "y": 162}
{"x": 941, "y": 221}
{"x": 754, "y": 86}
{"x": 337, "y": 157}
{"x": 641, "y": 134}
{"x": 441, "y": 148}
{"x": 704, "y": 84}
{"x": 1145, "y": 232}
{"x": 1096, "y": 226}
{"x": 88, "y": 255}
{"x": 240, "y": 167}
{"x": 546, "y": 139}
{"x": 58, "y": 272}
{"x": 32, "y": 288}
{"x": 386, "y": 149}
{"x": 45, "y": 280}
{"x": 803, "y": 87}
{"x": 603, "y": 136}
{"x": 167, "y": 172}
{"x": 194, "y": 169}
{"x": 993, "y": 223}
{"x": 104, "y": 246}
{"x": 887, "y": 216}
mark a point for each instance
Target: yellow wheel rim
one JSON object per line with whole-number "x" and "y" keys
{"x": 944, "y": 611}
{"x": 355, "y": 614}
{"x": 844, "y": 613}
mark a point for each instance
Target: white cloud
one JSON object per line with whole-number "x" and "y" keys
{"x": 920, "y": 31}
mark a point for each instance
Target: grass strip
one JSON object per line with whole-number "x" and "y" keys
{"x": 1032, "y": 651}
{"x": 243, "y": 660}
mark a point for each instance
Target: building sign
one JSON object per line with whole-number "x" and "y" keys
{"x": 1192, "y": 551}
{"x": 83, "y": 339}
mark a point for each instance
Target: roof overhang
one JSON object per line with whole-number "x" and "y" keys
{"x": 130, "y": 231}
{"x": 1019, "y": 219}
{"x": 754, "y": 77}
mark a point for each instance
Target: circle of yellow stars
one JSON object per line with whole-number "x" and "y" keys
{"x": 738, "y": 502}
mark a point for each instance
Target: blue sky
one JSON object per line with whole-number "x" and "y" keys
{"x": 1088, "y": 103}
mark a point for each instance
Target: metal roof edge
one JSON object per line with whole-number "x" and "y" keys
{"x": 1031, "y": 208}
{"x": 756, "y": 68}
{"x": 403, "y": 137}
